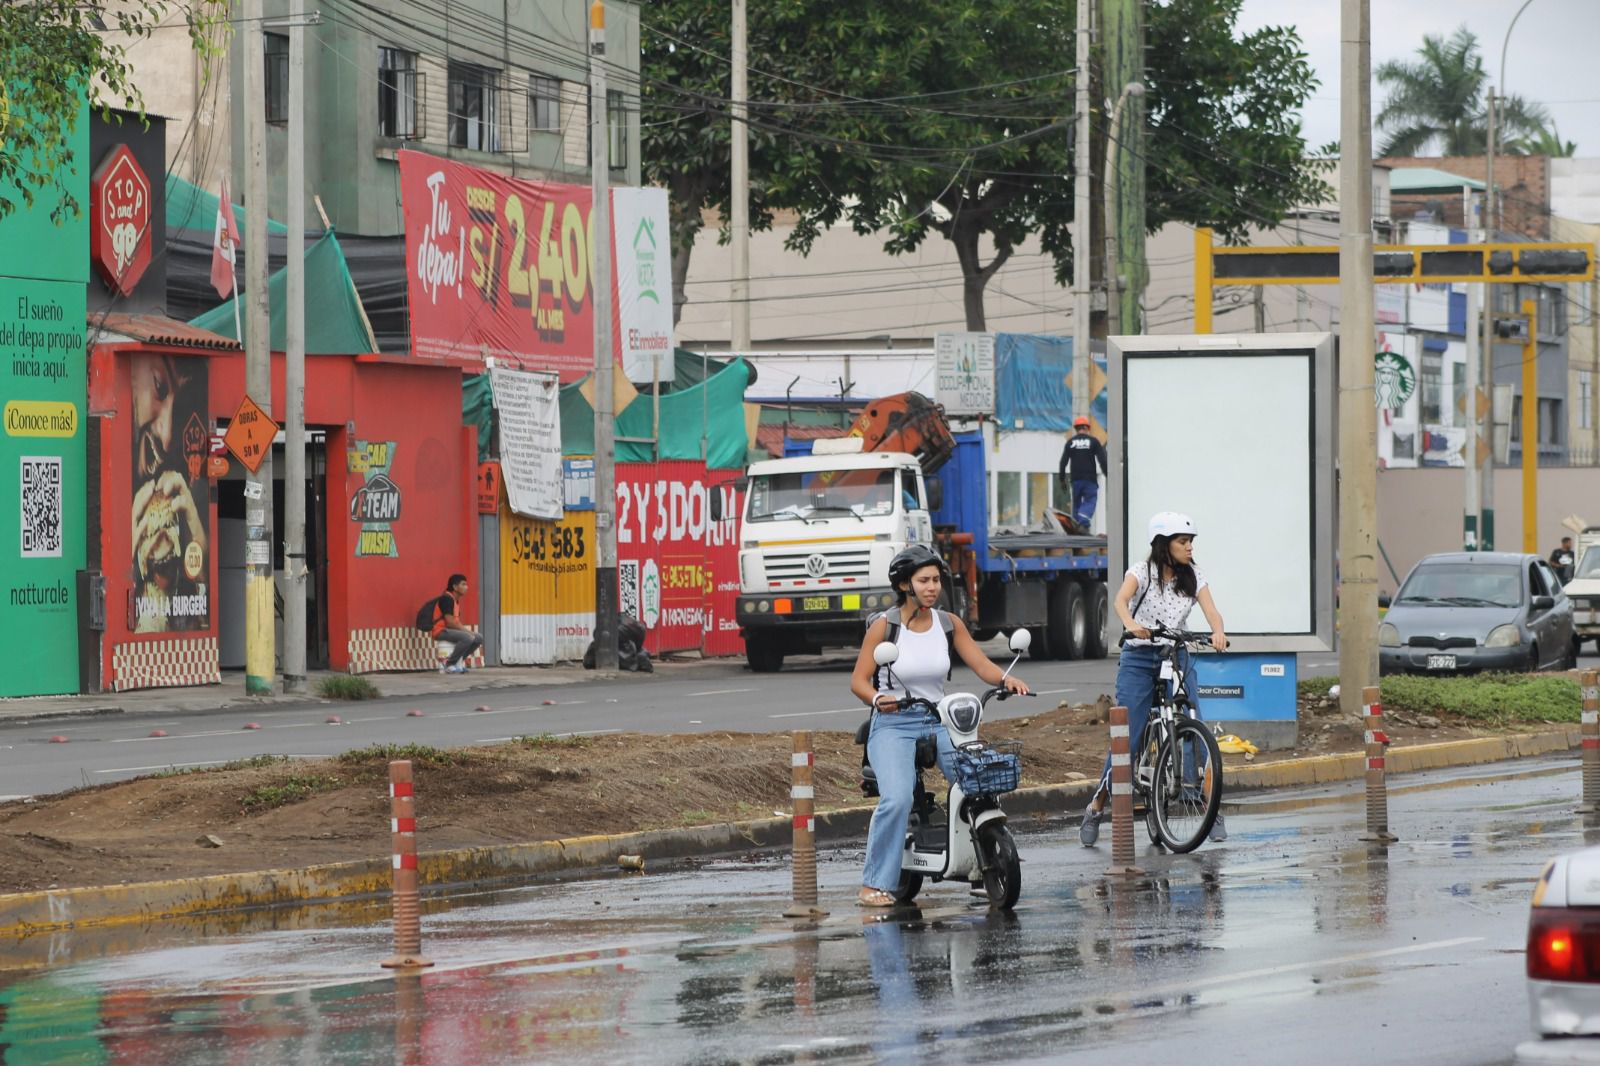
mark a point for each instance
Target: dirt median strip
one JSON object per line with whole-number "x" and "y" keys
{"x": 25, "y": 914}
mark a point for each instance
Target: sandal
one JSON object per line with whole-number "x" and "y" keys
{"x": 875, "y": 897}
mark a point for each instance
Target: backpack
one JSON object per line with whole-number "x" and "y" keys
{"x": 892, "y": 631}
{"x": 427, "y": 615}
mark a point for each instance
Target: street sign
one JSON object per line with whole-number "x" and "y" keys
{"x": 489, "y": 488}
{"x": 250, "y": 434}
{"x": 218, "y": 466}
{"x": 218, "y": 445}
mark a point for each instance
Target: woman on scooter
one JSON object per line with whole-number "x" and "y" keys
{"x": 918, "y": 576}
{"x": 1162, "y": 591}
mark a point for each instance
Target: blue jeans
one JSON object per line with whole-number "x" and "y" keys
{"x": 1138, "y": 674}
{"x": 1085, "y": 497}
{"x": 892, "y": 751}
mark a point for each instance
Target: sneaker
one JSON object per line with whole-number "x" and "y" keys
{"x": 456, "y": 669}
{"x": 443, "y": 669}
{"x": 1219, "y": 830}
{"x": 1089, "y": 831}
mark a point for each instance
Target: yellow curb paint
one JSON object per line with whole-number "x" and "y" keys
{"x": 24, "y": 914}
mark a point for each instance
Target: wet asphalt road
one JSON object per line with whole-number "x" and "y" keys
{"x": 1293, "y": 943}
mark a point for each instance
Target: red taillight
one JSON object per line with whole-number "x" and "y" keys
{"x": 1564, "y": 944}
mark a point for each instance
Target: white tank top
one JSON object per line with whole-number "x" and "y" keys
{"x": 923, "y": 665}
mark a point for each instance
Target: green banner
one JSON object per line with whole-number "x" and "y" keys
{"x": 43, "y": 388}
{"x": 31, "y": 245}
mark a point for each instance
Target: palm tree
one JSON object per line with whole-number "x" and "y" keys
{"x": 1548, "y": 142}
{"x": 1438, "y": 101}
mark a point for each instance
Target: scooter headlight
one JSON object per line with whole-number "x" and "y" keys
{"x": 963, "y": 712}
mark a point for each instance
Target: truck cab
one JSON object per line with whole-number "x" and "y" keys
{"x": 817, "y": 535}
{"x": 1584, "y": 588}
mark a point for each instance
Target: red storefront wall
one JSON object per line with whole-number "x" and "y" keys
{"x": 372, "y": 600}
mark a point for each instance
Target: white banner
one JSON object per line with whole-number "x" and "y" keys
{"x": 642, "y": 252}
{"x": 964, "y": 374}
{"x": 530, "y": 440}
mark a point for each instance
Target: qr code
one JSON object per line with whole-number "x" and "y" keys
{"x": 628, "y": 578}
{"x": 41, "y": 507}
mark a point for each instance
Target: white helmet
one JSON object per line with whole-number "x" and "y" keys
{"x": 1171, "y": 524}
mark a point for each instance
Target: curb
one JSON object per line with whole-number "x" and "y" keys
{"x": 25, "y": 914}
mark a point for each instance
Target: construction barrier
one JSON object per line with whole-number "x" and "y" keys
{"x": 1121, "y": 796}
{"x": 1377, "y": 788}
{"x": 1591, "y": 742}
{"x": 407, "y": 906}
{"x": 802, "y": 792}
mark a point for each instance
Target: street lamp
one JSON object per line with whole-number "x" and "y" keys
{"x": 1113, "y": 191}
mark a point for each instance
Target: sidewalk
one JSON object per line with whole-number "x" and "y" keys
{"x": 230, "y": 693}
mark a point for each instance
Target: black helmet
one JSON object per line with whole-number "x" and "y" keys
{"x": 912, "y": 559}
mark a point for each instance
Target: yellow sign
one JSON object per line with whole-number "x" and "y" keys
{"x": 41, "y": 418}
{"x": 547, "y": 567}
{"x": 369, "y": 454}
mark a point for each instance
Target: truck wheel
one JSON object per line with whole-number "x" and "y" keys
{"x": 1040, "y": 648}
{"x": 1069, "y": 621}
{"x": 1060, "y": 618}
{"x": 763, "y": 652}
{"x": 1098, "y": 601}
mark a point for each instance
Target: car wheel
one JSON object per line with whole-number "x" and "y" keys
{"x": 1532, "y": 665}
{"x": 1572, "y": 654}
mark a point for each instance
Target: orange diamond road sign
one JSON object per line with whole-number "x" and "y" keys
{"x": 250, "y": 434}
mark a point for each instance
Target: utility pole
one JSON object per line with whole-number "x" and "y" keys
{"x": 1081, "y": 399}
{"x": 1111, "y": 206}
{"x": 1123, "y": 50}
{"x": 294, "y": 374}
{"x": 605, "y": 457}
{"x": 260, "y": 638}
{"x": 1530, "y": 427}
{"x": 1470, "y": 504}
{"x": 1492, "y": 224}
{"x": 739, "y": 155}
{"x": 1358, "y": 413}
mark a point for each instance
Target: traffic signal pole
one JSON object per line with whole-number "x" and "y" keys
{"x": 1530, "y": 428}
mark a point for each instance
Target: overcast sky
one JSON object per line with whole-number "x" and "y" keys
{"x": 1551, "y": 58}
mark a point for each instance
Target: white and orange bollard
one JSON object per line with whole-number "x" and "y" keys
{"x": 1377, "y": 786}
{"x": 1591, "y": 743}
{"x": 803, "y": 795}
{"x": 407, "y": 907}
{"x": 1121, "y": 798}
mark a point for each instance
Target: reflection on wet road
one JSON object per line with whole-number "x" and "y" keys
{"x": 1294, "y": 942}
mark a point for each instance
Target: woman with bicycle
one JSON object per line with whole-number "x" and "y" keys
{"x": 926, "y": 642}
{"x": 1158, "y": 594}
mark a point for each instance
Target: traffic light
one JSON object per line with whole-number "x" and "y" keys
{"x": 1553, "y": 261}
{"x": 1514, "y": 328}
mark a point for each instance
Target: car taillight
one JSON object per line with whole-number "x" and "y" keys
{"x": 1564, "y": 944}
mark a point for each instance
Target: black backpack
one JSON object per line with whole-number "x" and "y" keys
{"x": 427, "y": 614}
{"x": 891, "y": 634}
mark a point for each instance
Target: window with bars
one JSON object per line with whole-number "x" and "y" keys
{"x": 276, "y": 55}
{"x": 474, "y": 108}
{"x": 397, "y": 93}
{"x": 544, "y": 103}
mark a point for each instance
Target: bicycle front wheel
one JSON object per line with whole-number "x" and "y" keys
{"x": 1187, "y": 791}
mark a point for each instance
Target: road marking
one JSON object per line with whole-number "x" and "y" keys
{"x": 163, "y": 766}
{"x": 176, "y": 736}
{"x": 582, "y": 733}
{"x": 723, "y": 691}
{"x": 808, "y": 714}
{"x": 374, "y": 718}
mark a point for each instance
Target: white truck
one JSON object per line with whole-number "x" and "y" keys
{"x": 1584, "y": 588}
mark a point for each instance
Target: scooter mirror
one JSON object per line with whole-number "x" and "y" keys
{"x": 885, "y": 654}
{"x": 1021, "y": 640}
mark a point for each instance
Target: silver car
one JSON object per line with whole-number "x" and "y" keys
{"x": 1467, "y": 612}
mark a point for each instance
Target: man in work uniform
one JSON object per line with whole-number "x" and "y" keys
{"x": 1078, "y": 461}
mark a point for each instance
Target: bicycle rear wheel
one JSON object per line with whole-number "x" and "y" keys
{"x": 1187, "y": 791}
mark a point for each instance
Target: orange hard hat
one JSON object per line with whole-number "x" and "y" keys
{"x": 1080, "y": 421}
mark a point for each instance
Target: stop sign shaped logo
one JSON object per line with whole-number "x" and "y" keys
{"x": 119, "y": 241}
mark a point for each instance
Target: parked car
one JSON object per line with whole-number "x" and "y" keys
{"x": 1467, "y": 612}
{"x": 1563, "y": 959}
{"x": 1584, "y": 589}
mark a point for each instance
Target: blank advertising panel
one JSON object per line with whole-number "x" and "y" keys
{"x": 1235, "y": 433}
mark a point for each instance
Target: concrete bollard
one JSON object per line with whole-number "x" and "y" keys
{"x": 802, "y": 792}
{"x": 1121, "y": 797}
{"x": 1591, "y": 742}
{"x": 1377, "y": 787}
{"x": 407, "y": 907}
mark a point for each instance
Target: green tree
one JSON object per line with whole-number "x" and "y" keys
{"x": 1439, "y": 102}
{"x": 907, "y": 118}
{"x": 50, "y": 50}
{"x": 1548, "y": 142}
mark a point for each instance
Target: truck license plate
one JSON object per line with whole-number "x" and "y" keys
{"x": 1441, "y": 662}
{"x": 814, "y": 603}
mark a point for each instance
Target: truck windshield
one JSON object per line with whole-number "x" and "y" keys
{"x": 1589, "y": 565}
{"x": 863, "y": 493}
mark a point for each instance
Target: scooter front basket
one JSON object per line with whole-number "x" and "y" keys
{"x": 984, "y": 771}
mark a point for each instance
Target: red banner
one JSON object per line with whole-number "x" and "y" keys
{"x": 497, "y": 266}
{"x": 677, "y": 568}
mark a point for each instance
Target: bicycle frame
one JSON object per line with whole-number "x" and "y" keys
{"x": 1174, "y": 702}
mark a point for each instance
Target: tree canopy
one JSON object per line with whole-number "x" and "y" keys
{"x": 906, "y": 118}
{"x": 50, "y": 51}
{"x": 1438, "y": 102}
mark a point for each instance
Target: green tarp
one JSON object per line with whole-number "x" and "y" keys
{"x": 333, "y": 311}
{"x": 191, "y": 207}
{"x": 477, "y": 410}
{"x": 718, "y": 405}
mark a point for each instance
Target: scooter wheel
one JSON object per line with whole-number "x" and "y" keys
{"x": 910, "y": 885}
{"x": 1002, "y": 876}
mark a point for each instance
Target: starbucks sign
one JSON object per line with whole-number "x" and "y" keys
{"x": 1394, "y": 380}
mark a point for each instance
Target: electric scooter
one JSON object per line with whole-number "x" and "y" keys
{"x": 967, "y": 840}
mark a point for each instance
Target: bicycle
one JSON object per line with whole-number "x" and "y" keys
{"x": 1181, "y": 782}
